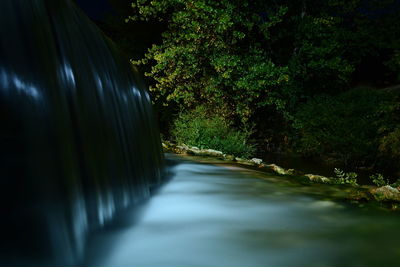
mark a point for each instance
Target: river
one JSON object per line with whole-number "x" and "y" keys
{"x": 216, "y": 214}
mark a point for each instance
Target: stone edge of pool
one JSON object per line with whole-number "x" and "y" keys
{"x": 387, "y": 195}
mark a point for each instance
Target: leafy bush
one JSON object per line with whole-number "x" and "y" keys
{"x": 345, "y": 126}
{"x": 390, "y": 144}
{"x": 379, "y": 180}
{"x": 345, "y": 177}
{"x": 213, "y": 52}
{"x": 206, "y": 129}
{"x": 396, "y": 184}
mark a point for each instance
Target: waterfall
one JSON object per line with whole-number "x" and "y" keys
{"x": 78, "y": 138}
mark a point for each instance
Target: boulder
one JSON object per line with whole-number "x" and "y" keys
{"x": 213, "y": 152}
{"x": 318, "y": 178}
{"x": 244, "y": 161}
{"x": 280, "y": 170}
{"x": 256, "y": 161}
{"x": 229, "y": 157}
{"x": 386, "y": 193}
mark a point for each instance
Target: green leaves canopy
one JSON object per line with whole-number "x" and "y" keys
{"x": 278, "y": 63}
{"x": 213, "y": 53}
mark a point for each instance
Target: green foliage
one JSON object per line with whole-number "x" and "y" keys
{"x": 205, "y": 129}
{"x": 394, "y": 63}
{"x": 213, "y": 53}
{"x": 379, "y": 180}
{"x": 319, "y": 54}
{"x": 396, "y": 184}
{"x": 327, "y": 45}
{"x": 285, "y": 65}
{"x": 344, "y": 126}
{"x": 389, "y": 146}
{"x": 345, "y": 177}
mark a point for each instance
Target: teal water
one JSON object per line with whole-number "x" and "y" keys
{"x": 217, "y": 214}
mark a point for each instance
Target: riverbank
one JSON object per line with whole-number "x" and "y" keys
{"x": 213, "y": 213}
{"x": 387, "y": 197}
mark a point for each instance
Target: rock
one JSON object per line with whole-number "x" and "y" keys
{"x": 168, "y": 147}
{"x": 229, "y": 157}
{"x": 244, "y": 161}
{"x": 318, "y": 178}
{"x": 280, "y": 170}
{"x": 256, "y": 161}
{"x": 213, "y": 152}
{"x": 289, "y": 171}
{"x": 181, "y": 147}
{"x": 386, "y": 193}
{"x": 193, "y": 150}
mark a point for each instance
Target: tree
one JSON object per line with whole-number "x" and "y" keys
{"x": 344, "y": 127}
{"x": 263, "y": 61}
{"x": 214, "y": 53}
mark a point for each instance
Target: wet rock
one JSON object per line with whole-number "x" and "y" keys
{"x": 318, "y": 178}
{"x": 181, "y": 148}
{"x": 244, "y": 161}
{"x": 192, "y": 150}
{"x": 173, "y": 148}
{"x": 280, "y": 170}
{"x": 168, "y": 146}
{"x": 213, "y": 152}
{"x": 229, "y": 157}
{"x": 386, "y": 193}
{"x": 256, "y": 161}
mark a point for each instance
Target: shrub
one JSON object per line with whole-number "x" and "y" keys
{"x": 390, "y": 145}
{"x": 344, "y": 127}
{"x": 379, "y": 180}
{"x": 389, "y": 134}
{"x": 396, "y": 184}
{"x": 345, "y": 177}
{"x": 204, "y": 128}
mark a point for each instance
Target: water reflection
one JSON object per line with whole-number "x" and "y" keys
{"x": 67, "y": 74}
{"x": 25, "y": 88}
{"x": 12, "y": 82}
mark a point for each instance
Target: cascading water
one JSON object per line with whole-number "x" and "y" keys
{"x": 78, "y": 139}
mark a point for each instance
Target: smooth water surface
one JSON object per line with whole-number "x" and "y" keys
{"x": 224, "y": 215}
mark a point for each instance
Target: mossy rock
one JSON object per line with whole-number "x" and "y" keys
{"x": 280, "y": 170}
{"x": 229, "y": 157}
{"x": 318, "y": 179}
{"x": 386, "y": 193}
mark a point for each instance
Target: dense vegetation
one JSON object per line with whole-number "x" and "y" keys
{"x": 205, "y": 129}
{"x": 312, "y": 77}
